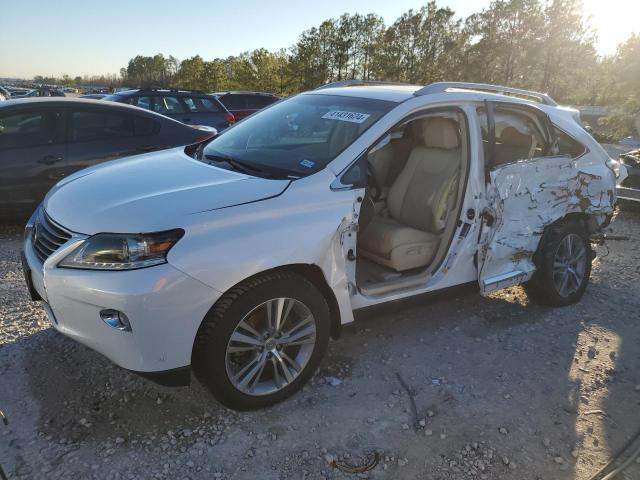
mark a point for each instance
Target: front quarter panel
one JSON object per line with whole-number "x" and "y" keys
{"x": 302, "y": 226}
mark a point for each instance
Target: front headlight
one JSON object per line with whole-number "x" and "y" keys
{"x": 114, "y": 251}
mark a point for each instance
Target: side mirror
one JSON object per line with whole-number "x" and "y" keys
{"x": 213, "y": 132}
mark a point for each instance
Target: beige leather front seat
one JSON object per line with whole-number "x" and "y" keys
{"x": 407, "y": 234}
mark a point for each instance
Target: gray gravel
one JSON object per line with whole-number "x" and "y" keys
{"x": 503, "y": 389}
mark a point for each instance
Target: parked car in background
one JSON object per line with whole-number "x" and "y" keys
{"x": 243, "y": 104}
{"x": 186, "y": 106}
{"x": 94, "y": 96}
{"x": 259, "y": 245}
{"x": 629, "y": 186}
{"x": 5, "y": 94}
{"x": 24, "y": 92}
{"x": 631, "y": 161}
{"x": 44, "y": 140}
{"x": 50, "y": 92}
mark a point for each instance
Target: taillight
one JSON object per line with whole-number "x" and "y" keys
{"x": 230, "y": 118}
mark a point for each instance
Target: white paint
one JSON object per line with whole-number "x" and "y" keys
{"x": 237, "y": 226}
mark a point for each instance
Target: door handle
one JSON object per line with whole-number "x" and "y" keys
{"x": 50, "y": 159}
{"x": 186, "y": 119}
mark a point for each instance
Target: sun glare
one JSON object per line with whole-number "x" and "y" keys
{"x": 613, "y": 20}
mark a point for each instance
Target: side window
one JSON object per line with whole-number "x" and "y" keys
{"x": 201, "y": 105}
{"x": 518, "y": 135}
{"x": 145, "y": 126}
{"x": 89, "y": 126}
{"x": 142, "y": 102}
{"x": 568, "y": 146}
{"x": 30, "y": 129}
{"x": 168, "y": 105}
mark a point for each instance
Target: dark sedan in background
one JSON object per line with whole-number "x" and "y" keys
{"x": 243, "y": 104}
{"x": 43, "y": 140}
{"x": 187, "y": 106}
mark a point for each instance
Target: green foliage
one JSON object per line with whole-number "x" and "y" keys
{"x": 544, "y": 45}
{"x": 625, "y": 67}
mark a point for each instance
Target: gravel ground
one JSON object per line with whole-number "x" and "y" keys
{"x": 503, "y": 389}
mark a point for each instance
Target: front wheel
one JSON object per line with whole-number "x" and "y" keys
{"x": 563, "y": 266}
{"x": 262, "y": 340}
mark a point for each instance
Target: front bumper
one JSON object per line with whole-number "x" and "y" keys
{"x": 164, "y": 306}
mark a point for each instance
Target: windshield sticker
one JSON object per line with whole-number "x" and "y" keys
{"x": 353, "y": 117}
{"x": 307, "y": 163}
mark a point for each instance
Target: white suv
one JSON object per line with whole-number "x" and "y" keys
{"x": 239, "y": 258}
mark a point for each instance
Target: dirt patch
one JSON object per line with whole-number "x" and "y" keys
{"x": 502, "y": 388}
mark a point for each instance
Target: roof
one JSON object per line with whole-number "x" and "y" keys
{"x": 49, "y": 100}
{"x": 133, "y": 91}
{"x": 394, "y": 93}
{"x": 244, "y": 92}
{"x": 70, "y": 101}
{"x": 461, "y": 91}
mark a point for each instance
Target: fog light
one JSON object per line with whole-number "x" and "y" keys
{"x": 115, "y": 319}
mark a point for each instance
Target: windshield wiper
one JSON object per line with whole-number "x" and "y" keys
{"x": 237, "y": 165}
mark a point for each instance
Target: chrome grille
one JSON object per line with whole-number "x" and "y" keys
{"x": 47, "y": 236}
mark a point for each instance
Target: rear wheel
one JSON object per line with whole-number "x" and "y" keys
{"x": 262, "y": 340}
{"x": 563, "y": 266}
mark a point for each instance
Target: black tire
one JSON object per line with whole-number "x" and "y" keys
{"x": 209, "y": 353}
{"x": 541, "y": 288}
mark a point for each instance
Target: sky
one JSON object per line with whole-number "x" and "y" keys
{"x": 43, "y": 37}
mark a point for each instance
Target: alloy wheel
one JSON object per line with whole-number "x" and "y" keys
{"x": 569, "y": 265}
{"x": 270, "y": 346}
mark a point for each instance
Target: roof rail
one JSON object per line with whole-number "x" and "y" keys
{"x": 440, "y": 87}
{"x": 177, "y": 90}
{"x": 357, "y": 83}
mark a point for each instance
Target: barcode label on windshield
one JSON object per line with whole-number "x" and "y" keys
{"x": 353, "y": 117}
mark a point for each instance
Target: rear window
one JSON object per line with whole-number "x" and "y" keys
{"x": 30, "y": 129}
{"x": 201, "y": 105}
{"x": 90, "y": 126}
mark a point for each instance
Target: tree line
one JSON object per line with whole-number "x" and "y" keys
{"x": 540, "y": 45}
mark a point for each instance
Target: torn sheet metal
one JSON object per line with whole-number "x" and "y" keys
{"x": 524, "y": 198}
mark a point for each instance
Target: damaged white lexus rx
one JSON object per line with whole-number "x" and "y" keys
{"x": 238, "y": 259}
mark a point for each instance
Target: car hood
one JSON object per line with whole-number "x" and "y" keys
{"x": 151, "y": 192}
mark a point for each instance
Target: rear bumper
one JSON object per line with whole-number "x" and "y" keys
{"x": 164, "y": 306}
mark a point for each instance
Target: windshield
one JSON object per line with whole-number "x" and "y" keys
{"x": 299, "y": 136}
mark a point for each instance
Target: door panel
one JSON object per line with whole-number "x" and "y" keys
{"x": 97, "y": 136}
{"x": 522, "y": 199}
{"x": 529, "y": 187}
{"x": 32, "y": 159}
